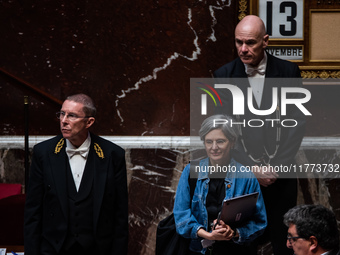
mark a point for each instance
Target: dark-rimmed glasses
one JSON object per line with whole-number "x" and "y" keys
{"x": 293, "y": 239}
{"x": 70, "y": 116}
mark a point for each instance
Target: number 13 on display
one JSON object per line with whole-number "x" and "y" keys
{"x": 283, "y": 19}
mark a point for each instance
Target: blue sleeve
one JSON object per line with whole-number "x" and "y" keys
{"x": 256, "y": 226}
{"x": 186, "y": 223}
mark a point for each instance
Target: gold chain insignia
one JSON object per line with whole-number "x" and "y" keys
{"x": 60, "y": 145}
{"x": 98, "y": 150}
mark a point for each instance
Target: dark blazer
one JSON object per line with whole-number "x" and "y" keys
{"x": 256, "y": 138}
{"x": 46, "y": 209}
{"x": 276, "y": 68}
{"x": 334, "y": 252}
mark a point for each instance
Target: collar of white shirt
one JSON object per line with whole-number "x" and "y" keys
{"x": 82, "y": 149}
{"x": 260, "y": 69}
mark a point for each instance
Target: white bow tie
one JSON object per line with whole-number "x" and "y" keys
{"x": 82, "y": 151}
{"x": 251, "y": 71}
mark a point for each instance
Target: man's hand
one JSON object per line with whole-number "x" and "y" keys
{"x": 265, "y": 175}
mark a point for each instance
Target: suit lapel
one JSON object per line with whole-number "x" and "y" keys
{"x": 58, "y": 168}
{"x": 271, "y": 70}
{"x": 98, "y": 164}
{"x": 239, "y": 70}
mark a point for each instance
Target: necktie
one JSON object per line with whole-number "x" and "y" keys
{"x": 71, "y": 152}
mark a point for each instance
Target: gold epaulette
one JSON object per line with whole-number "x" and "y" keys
{"x": 60, "y": 145}
{"x": 98, "y": 150}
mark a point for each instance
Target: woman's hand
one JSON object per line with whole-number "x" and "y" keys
{"x": 228, "y": 232}
{"x": 222, "y": 232}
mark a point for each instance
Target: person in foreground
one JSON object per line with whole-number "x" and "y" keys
{"x": 267, "y": 146}
{"x": 195, "y": 219}
{"x": 312, "y": 230}
{"x": 77, "y": 192}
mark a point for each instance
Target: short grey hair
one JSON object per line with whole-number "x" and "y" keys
{"x": 314, "y": 220}
{"x": 225, "y": 124}
{"x": 89, "y": 108}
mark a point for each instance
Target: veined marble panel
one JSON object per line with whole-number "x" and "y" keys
{"x": 164, "y": 142}
{"x": 154, "y": 171}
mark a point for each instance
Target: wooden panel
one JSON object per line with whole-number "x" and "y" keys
{"x": 321, "y": 20}
{"x": 324, "y": 35}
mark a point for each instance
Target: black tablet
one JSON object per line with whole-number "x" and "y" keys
{"x": 238, "y": 209}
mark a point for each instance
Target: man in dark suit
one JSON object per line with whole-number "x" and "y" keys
{"x": 77, "y": 192}
{"x": 313, "y": 230}
{"x": 269, "y": 145}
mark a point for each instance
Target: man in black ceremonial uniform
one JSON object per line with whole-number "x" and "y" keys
{"x": 77, "y": 192}
{"x": 271, "y": 144}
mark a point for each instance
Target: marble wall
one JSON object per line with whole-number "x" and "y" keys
{"x": 153, "y": 174}
{"x": 135, "y": 58}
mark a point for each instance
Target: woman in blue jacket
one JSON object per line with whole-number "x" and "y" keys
{"x": 196, "y": 219}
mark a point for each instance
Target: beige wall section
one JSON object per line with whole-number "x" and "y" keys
{"x": 324, "y": 35}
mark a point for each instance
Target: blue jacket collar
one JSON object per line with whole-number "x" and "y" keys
{"x": 204, "y": 163}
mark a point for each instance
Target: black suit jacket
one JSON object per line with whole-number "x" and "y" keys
{"x": 335, "y": 252}
{"x": 46, "y": 209}
{"x": 257, "y": 138}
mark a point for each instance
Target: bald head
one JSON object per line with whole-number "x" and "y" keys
{"x": 251, "y": 40}
{"x": 252, "y": 22}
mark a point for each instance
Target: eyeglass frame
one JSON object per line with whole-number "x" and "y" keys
{"x": 73, "y": 116}
{"x": 291, "y": 238}
{"x": 210, "y": 143}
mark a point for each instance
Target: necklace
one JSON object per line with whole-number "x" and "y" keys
{"x": 266, "y": 158}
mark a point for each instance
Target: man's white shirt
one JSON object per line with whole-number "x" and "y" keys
{"x": 78, "y": 160}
